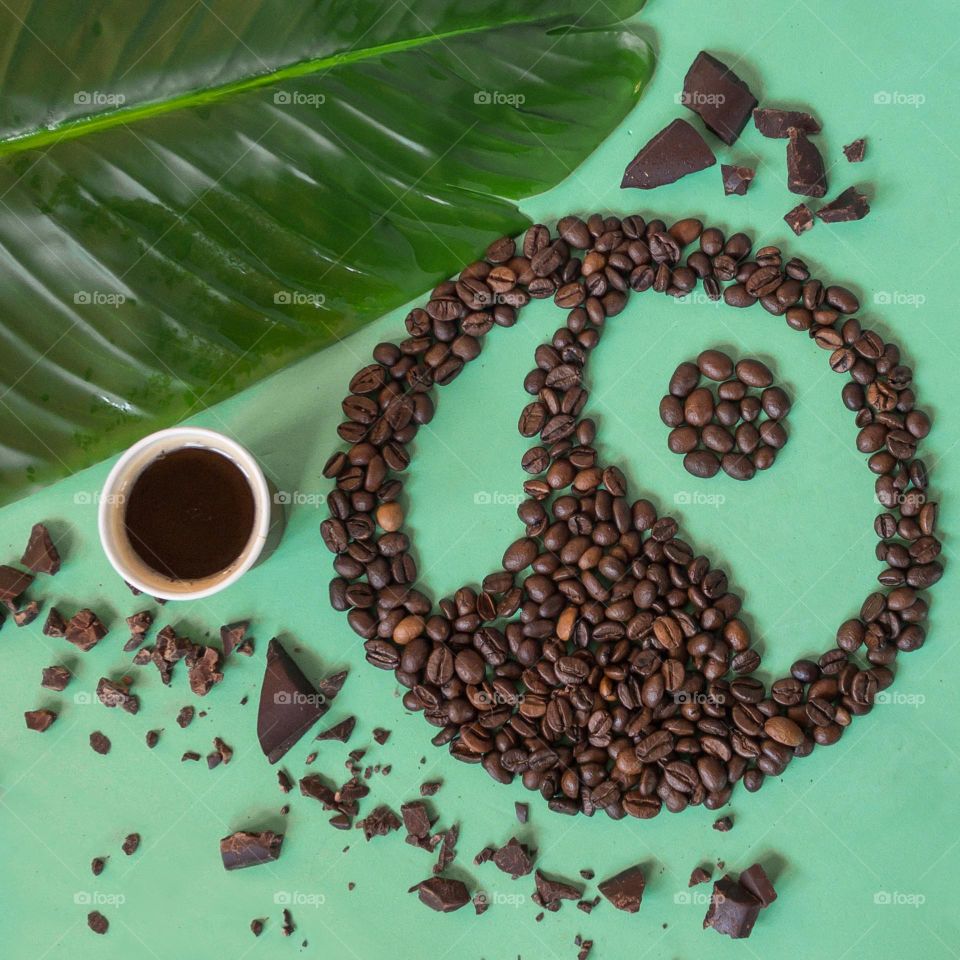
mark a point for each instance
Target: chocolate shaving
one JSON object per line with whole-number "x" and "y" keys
{"x": 243, "y": 849}
{"x": 340, "y": 731}
{"x": 448, "y": 849}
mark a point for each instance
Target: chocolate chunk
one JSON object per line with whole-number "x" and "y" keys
{"x": 152, "y": 738}
{"x": 381, "y": 735}
{"x": 733, "y": 909}
{"x": 213, "y": 760}
{"x": 588, "y": 906}
{"x": 484, "y": 855}
{"x": 55, "y": 625}
{"x": 113, "y": 694}
{"x": 698, "y": 876}
{"x": 224, "y": 751}
{"x": 805, "y": 171}
{"x": 723, "y": 824}
{"x": 720, "y": 98}
{"x": 340, "y": 822}
{"x": 587, "y": 874}
{"x": 139, "y": 623}
{"x": 203, "y": 669}
{"x": 799, "y": 219}
{"x": 736, "y": 179}
{"x": 585, "y": 949}
{"x": 674, "y": 152}
{"x": 339, "y": 731}
{"x": 232, "y": 634}
{"x": 289, "y": 704}
{"x": 26, "y": 614}
{"x": 191, "y": 756}
{"x": 416, "y": 818}
{"x": 256, "y": 926}
{"x": 448, "y": 849}
{"x": 171, "y": 647}
{"x": 514, "y": 858}
{"x": 284, "y": 781}
{"x": 332, "y": 685}
{"x": 13, "y": 583}
{"x": 522, "y": 811}
{"x": 84, "y": 630}
{"x": 135, "y": 640}
{"x": 777, "y": 123}
{"x": 288, "y": 925}
{"x": 430, "y": 788}
{"x": 97, "y": 864}
{"x": 243, "y": 849}
{"x": 625, "y": 890}
{"x": 245, "y": 649}
{"x": 551, "y": 892}
{"x": 56, "y": 677}
{"x": 131, "y": 844}
{"x": 379, "y": 823}
{"x": 755, "y": 880}
{"x": 100, "y": 742}
{"x": 41, "y": 555}
{"x": 185, "y": 716}
{"x": 39, "y": 720}
{"x": 850, "y": 205}
{"x": 313, "y": 786}
{"x": 443, "y": 894}
{"x": 854, "y": 151}
{"x": 97, "y": 922}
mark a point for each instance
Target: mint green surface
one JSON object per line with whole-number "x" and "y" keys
{"x": 861, "y": 836}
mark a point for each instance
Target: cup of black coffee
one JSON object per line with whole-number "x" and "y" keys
{"x": 184, "y": 513}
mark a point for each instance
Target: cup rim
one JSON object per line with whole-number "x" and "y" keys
{"x": 177, "y": 437}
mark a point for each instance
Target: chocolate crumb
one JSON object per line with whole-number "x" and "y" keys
{"x": 56, "y": 677}
{"x": 97, "y": 922}
{"x": 100, "y": 742}
{"x": 152, "y": 737}
{"x": 185, "y": 717}
{"x": 723, "y": 824}
{"x": 381, "y": 735}
{"x": 522, "y": 810}
{"x": 430, "y": 788}
{"x": 97, "y": 864}
{"x": 190, "y": 755}
{"x": 854, "y": 152}
{"x": 699, "y": 875}
{"x": 39, "y": 720}
{"x": 55, "y": 625}
{"x": 256, "y": 926}
{"x": 131, "y": 843}
{"x": 799, "y": 219}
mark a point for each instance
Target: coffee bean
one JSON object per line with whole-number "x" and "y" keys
{"x": 754, "y": 373}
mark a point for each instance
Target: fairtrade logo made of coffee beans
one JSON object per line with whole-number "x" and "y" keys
{"x": 605, "y": 664}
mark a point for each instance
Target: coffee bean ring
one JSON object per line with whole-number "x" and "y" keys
{"x": 606, "y": 664}
{"x": 702, "y": 424}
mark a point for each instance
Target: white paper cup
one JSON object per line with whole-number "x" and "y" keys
{"x": 113, "y": 537}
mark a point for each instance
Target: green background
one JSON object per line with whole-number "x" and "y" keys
{"x": 869, "y": 817}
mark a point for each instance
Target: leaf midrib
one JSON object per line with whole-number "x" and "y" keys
{"x": 124, "y": 115}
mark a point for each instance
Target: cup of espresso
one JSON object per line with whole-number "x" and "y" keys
{"x": 185, "y": 512}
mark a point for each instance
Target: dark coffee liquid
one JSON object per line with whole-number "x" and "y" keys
{"x": 190, "y": 513}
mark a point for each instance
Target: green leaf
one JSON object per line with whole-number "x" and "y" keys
{"x": 193, "y": 195}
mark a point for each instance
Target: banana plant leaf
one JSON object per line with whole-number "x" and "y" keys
{"x": 193, "y": 195}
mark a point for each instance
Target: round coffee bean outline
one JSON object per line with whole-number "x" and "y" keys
{"x": 703, "y": 460}
{"x": 630, "y": 758}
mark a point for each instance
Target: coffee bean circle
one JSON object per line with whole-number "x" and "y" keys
{"x": 704, "y": 427}
{"x": 605, "y": 663}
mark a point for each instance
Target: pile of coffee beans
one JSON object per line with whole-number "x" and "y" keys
{"x": 605, "y": 663}
{"x": 704, "y": 426}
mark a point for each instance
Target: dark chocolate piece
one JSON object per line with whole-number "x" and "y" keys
{"x": 97, "y": 922}
{"x": 243, "y": 849}
{"x": 777, "y": 123}
{"x": 191, "y": 756}
{"x": 733, "y": 909}
{"x": 484, "y": 855}
{"x": 185, "y": 716}
{"x": 430, "y": 788}
{"x": 56, "y": 677}
{"x": 675, "y": 152}
{"x": 39, "y": 720}
{"x": 245, "y": 649}
{"x": 203, "y": 671}
{"x": 100, "y": 742}
{"x": 232, "y": 635}
{"x": 379, "y": 823}
{"x": 855, "y": 151}
{"x": 256, "y": 926}
{"x": 140, "y": 622}
{"x": 289, "y": 704}
{"x": 799, "y": 219}
{"x": 27, "y": 613}
{"x": 131, "y": 844}
{"x": 805, "y": 171}
{"x": 339, "y": 731}
{"x": 152, "y": 738}
{"x": 416, "y": 818}
{"x": 284, "y": 781}
{"x": 171, "y": 647}
{"x": 514, "y": 858}
{"x": 381, "y": 735}
{"x": 724, "y": 824}
{"x": 12, "y": 583}
{"x": 448, "y": 849}
{"x": 551, "y": 892}
{"x": 443, "y": 894}
{"x": 718, "y": 96}
{"x": 97, "y": 864}
{"x": 224, "y": 751}
{"x": 55, "y": 625}
{"x": 112, "y": 694}
{"x": 755, "y": 880}
{"x": 522, "y": 811}
{"x": 84, "y": 630}
{"x": 736, "y": 180}
{"x": 698, "y": 876}
{"x": 340, "y": 822}
{"x": 625, "y": 890}
{"x": 313, "y": 786}
{"x": 332, "y": 685}
{"x": 850, "y": 205}
{"x": 41, "y": 555}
